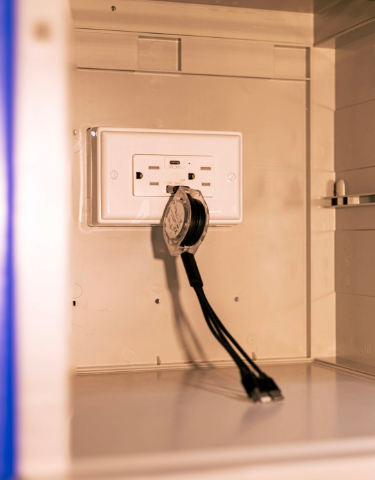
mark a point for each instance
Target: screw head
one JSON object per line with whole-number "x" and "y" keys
{"x": 74, "y": 303}
{"x": 113, "y": 8}
{"x": 74, "y": 132}
{"x": 231, "y": 177}
{"x": 236, "y": 299}
{"x": 157, "y": 301}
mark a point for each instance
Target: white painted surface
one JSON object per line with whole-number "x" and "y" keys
{"x": 195, "y": 20}
{"x": 122, "y": 271}
{"x": 265, "y": 255}
{"x": 344, "y": 461}
{"x": 155, "y": 53}
{"x": 105, "y": 49}
{"x": 112, "y": 50}
{"x": 215, "y": 56}
{"x": 354, "y": 137}
{"x": 200, "y": 410}
{"x": 42, "y": 237}
{"x": 291, "y": 62}
{"x": 199, "y": 424}
{"x": 322, "y": 221}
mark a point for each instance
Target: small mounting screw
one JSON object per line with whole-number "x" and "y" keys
{"x": 236, "y": 299}
{"x": 74, "y": 132}
{"x": 157, "y": 301}
{"x": 113, "y": 8}
{"x": 74, "y": 303}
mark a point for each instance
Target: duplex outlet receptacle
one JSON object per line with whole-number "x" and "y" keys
{"x": 153, "y": 173}
{"x": 129, "y": 170}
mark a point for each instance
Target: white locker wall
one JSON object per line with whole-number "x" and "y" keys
{"x": 354, "y": 140}
{"x": 250, "y": 70}
{"x": 259, "y": 89}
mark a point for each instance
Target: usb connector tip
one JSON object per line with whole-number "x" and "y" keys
{"x": 250, "y": 384}
{"x": 268, "y": 388}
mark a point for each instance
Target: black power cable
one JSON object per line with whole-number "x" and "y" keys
{"x": 234, "y": 342}
{"x": 215, "y": 329}
{"x": 258, "y": 385}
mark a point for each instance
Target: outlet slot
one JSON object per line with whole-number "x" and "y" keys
{"x": 206, "y": 184}
{"x": 174, "y": 162}
{"x": 154, "y": 168}
{"x": 154, "y": 183}
{"x": 205, "y": 168}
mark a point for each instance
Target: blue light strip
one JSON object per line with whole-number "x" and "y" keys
{"x": 7, "y": 317}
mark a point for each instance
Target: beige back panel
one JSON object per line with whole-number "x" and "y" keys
{"x": 322, "y": 220}
{"x": 197, "y": 20}
{"x": 120, "y": 272}
{"x": 106, "y": 50}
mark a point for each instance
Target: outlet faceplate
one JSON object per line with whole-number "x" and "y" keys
{"x": 123, "y": 189}
{"x": 153, "y": 173}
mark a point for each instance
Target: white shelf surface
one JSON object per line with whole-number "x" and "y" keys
{"x": 166, "y": 412}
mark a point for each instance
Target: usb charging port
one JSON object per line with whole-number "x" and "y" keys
{"x": 174, "y": 162}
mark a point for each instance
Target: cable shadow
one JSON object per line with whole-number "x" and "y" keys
{"x": 213, "y": 381}
{"x": 188, "y": 340}
{"x": 218, "y": 390}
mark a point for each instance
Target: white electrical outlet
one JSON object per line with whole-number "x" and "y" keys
{"x": 153, "y": 173}
{"x": 129, "y": 170}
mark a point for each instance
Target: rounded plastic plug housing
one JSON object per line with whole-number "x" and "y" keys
{"x": 178, "y": 218}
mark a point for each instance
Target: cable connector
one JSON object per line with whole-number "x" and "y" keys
{"x": 250, "y": 384}
{"x": 261, "y": 389}
{"x": 269, "y": 391}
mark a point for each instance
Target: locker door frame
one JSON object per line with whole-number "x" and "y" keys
{"x": 42, "y": 179}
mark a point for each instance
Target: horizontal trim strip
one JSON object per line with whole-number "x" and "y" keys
{"x": 125, "y": 368}
{"x": 161, "y": 72}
